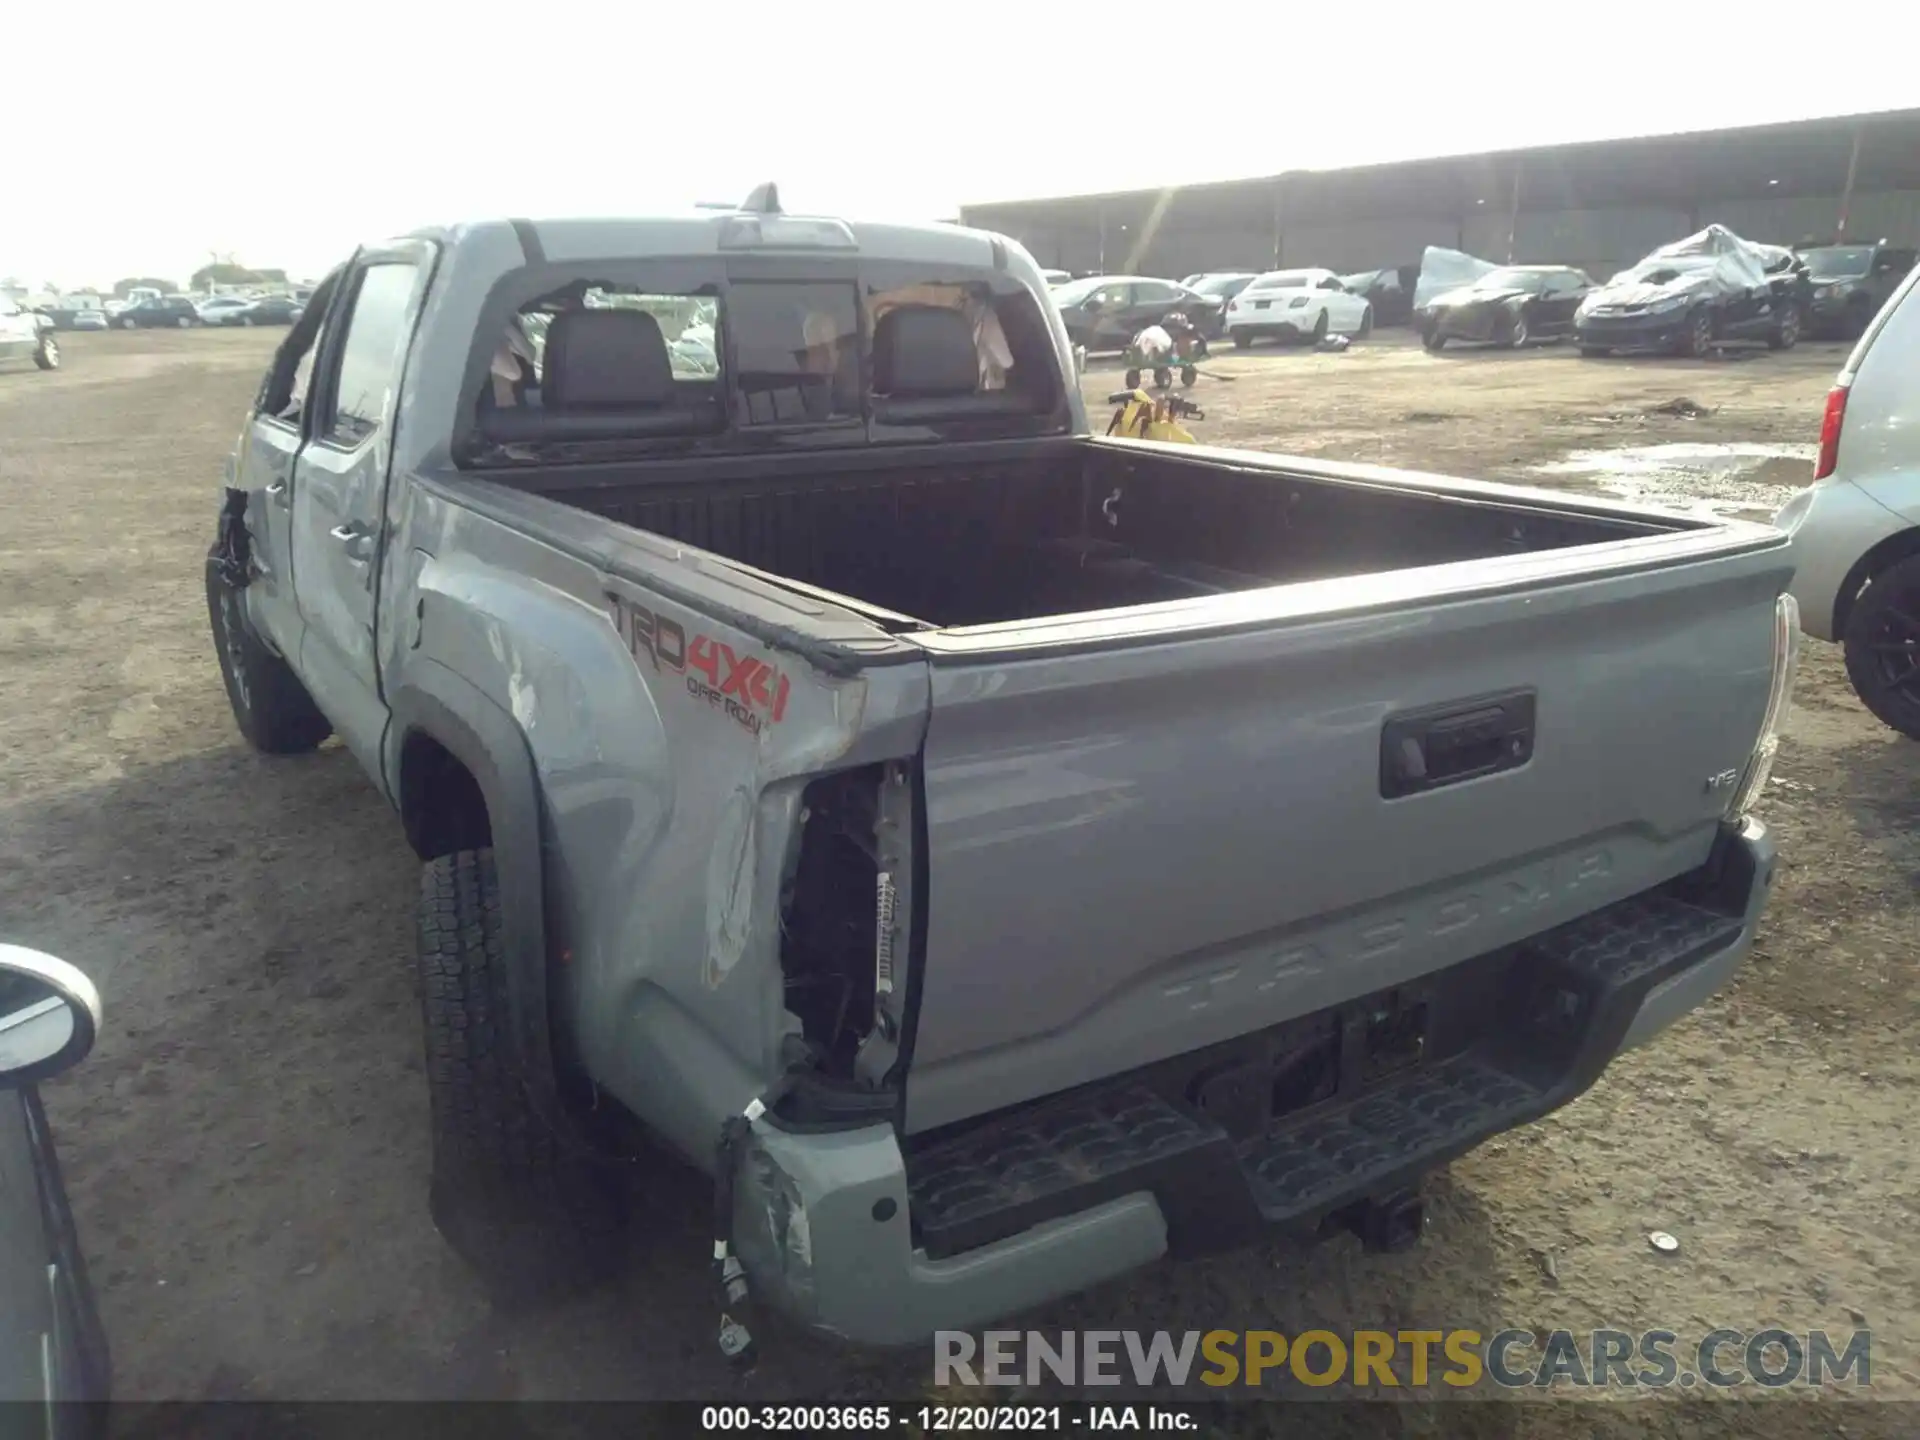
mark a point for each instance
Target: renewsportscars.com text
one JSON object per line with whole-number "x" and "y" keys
{"x": 1385, "y": 1359}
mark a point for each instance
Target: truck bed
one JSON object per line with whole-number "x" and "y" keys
{"x": 1417, "y": 735}
{"x": 964, "y": 538}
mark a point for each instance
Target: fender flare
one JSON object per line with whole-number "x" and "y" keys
{"x": 434, "y": 701}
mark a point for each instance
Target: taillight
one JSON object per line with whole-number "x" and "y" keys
{"x": 1786, "y": 666}
{"x": 1830, "y": 432}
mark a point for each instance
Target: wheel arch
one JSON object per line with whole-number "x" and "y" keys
{"x": 1890, "y": 551}
{"x": 451, "y": 747}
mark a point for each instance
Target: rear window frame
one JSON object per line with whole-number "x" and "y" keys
{"x": 708, "y": 275}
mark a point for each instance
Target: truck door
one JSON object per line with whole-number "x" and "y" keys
{"x": 340, "y": 483}
{"x": 264, "y": 469}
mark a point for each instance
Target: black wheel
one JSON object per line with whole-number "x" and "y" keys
{"x": 1188, "y": 375}
{"x": 47, "y": 356}
{"x": 1133, "y": 380}
{"x": 128, "y": 324}
{"x": 1591, "y": 350}
{"x": 247, "y": 321}
{"x": 1786, "y": 334}
{"x": 1162, "y": 377}
{"x": 270, "y": 705}
{"x": 1882, "y": 644}
{"x": 1366, "y": 324}
{"x": 1698, "y": 339}
{"x": 1243, "y": 339}
{"x": 185, "y": 322}
{"x": 1320, "y": 328}
{"x": 1516, "y": 335}
{"x": 536, "y": 1218}
{"x": 1433, "y": 340}
{"x": 1859, "y": 316}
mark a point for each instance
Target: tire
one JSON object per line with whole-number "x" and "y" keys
{"x": 185, "y": 322}
{"x": 1882, "y": 647}
{"x": 535, "y": 1218}
{"x": 47, "y": 357}
{"x": 1320, "y": 328}
{"x": 246, "y": 322}
{"x": 1188, "y": 375}
{"x": 1786, "y": 334}
{"x": 1162, "y": 378}
{"x": 1517, "y": 335}
{"x": 1366, "y": 324}
{"x": 272, "y": 708}
{"x": 129, "y": 324}
{"x": 1243, "y": 339}
{"x": 1132, "y": 380}
{"x": 1591, "y": 350}
{"x": 1699, "y": 337}
{"x": 1432, "y": 340}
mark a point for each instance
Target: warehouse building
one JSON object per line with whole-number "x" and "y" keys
{"x": 1600, "y": 205}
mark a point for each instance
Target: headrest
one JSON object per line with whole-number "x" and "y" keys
{"x": 606, "y": 360}
{"x": 924, "y": 350}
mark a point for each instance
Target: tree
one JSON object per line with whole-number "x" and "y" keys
{"x": 226, "y": 272}
{"x": 143, "y": 282}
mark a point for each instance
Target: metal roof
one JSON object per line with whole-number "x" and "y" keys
{"x": 1800, "y": 157}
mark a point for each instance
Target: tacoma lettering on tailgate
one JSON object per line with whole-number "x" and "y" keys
{"x": 749, "y": 690}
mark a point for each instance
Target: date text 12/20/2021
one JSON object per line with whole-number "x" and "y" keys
{"x": 943, "y": 1419}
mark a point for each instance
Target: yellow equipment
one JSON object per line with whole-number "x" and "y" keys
{"x": 1141, "y": 416}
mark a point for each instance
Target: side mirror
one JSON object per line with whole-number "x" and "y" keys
{"x": 49, "y": 1014}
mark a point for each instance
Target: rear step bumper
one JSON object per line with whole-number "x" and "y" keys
{"x": 1019, "y": 1208}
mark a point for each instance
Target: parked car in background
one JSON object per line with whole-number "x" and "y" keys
{"x": 54, "y": 1364}
{"x": 1856, "y": 530}
{"x": 171, "y": 310}
{"x": 1850, "y": 283}
{"x": 1056, "y": 277}
{"x": 25, "y": 335}
{"x": 270, "y": 310}
{"x": 1690, "y": 296}
{"x": 1296, "y": 305}
{"x": 92, "y": 320}
{"x": 1508, "y": 306}
{"x": 1104, "y": 312}
{"x": 1221, "y": 285}
{"x": 1389, "y": 292}
{"x": 222, "y": 309}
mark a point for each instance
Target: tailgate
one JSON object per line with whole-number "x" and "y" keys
{"x": 1140, "y": 842}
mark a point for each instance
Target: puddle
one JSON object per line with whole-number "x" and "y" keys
{"x": 1744, "y": 482}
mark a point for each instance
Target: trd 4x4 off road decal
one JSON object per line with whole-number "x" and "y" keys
{"x": 750, "y": 691}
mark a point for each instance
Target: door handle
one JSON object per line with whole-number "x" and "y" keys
{"x": 355, "y": 539}
{"x": 278, "y": 491}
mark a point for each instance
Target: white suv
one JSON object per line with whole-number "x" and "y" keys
{"x": 1856, "y": 532}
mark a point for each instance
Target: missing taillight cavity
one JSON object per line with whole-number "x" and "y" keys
{"x": 1830, "y": 423}
{"x": 829, "y": 916}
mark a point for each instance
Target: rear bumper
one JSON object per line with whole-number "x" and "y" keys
{"x": 849, "y": 1234}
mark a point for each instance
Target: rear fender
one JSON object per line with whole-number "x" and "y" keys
{"x": 429, "y": 699}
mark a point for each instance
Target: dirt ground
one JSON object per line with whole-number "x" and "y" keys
{"x": 247, "y": 1146}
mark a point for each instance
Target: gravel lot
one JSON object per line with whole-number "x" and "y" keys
{"x": 247, "y": 1147}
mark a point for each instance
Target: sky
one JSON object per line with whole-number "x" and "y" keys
{"x": 147, "y": 144}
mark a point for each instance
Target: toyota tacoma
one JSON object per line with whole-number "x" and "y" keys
{"x": 1000, "y": 855}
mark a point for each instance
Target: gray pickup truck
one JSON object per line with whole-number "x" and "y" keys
{"x": 1001, "y": 855}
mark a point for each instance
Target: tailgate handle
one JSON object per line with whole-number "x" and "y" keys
{"x": 1425, "y": 749}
